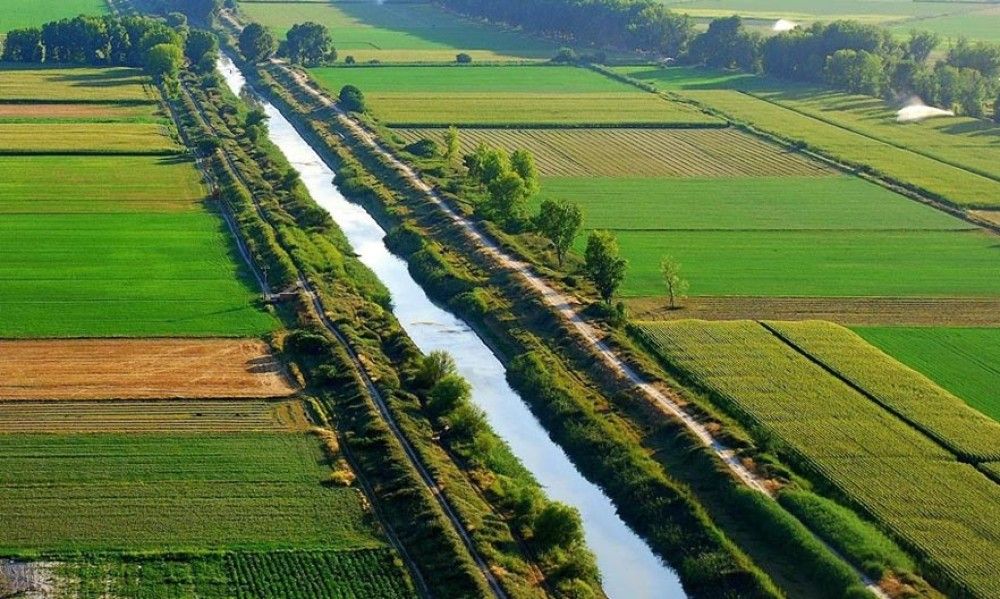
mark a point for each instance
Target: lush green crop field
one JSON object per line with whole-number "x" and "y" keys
{"x": 954, "y": 158}
{"x": 966, "y": 361}
{"x": 901, "y": 390}
{"x": 638, "y": 152}
{"x": 980, "y": 25}
{"x": 75, "y": 85}
{"x": 95, "y": 184}
{"x": 164, "y": 493}
{"x": 836, "y": 203}
{"x": 86, "y": 138}
{"x": 399, "y": 31}
{"x": 815, "y": 263}
{"x": 369, "y": 573}
{"x": 25, "y": 13}
{"x": 123, "y": 275}
{"x": 944, "y": 510}
{"x": 81, "y": 113}
{"x": 509, "y": 94}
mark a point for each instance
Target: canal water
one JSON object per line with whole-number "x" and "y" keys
{"x": 629, "y": 568}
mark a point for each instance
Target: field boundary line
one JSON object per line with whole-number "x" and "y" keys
{"x": 923, "y": 430}
{"x": 560, "y": 303}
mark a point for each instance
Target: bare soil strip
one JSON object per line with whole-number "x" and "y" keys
{"x": 915, "y": 311}
{"x": 147, "y": 416}
{"x": 90, "y": 369}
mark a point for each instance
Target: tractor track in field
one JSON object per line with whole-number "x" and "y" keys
{"x": 564, "y": 305}
{"x": 316, "y": 304}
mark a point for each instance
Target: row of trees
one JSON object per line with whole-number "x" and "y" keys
{"x": 859, "y": 58}
{"x": 847, "y": 55}
{"x": 159, "y": 46}
{"x": 305, "y": 43}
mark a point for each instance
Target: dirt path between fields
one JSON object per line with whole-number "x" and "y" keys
{"x": 563, "y": 304}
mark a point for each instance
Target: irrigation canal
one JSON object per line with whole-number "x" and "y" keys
{"x": 630, "y": 570}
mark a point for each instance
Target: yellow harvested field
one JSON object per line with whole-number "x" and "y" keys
{"x": 600, "y": 152}
{"x": 90, "y": 369}
{"x": 75, "y": 85}
{"x": 86, "y": 138}
{"x": 78, "y": 111}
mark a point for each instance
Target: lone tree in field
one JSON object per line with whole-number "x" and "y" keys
{"x": 604, "y": 265}
{"x": 559, "y": 222}
{"x": 452, "y": 146}
{"x": 256, "y": 43}
{"x": 677, "y": 287}
{"x": 351, "y": 99}
{"x": 309, "y": 44}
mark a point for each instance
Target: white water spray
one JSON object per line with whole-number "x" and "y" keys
{"x": 916, "y": 111}
{"x": 783, "y": 25}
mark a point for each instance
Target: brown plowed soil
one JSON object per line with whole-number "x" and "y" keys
{"x": 140, "y": 369}
{"x": 847, "y": 311}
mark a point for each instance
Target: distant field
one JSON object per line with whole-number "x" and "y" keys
{"x": 955, "y": 158}
{"x": 901, "y": 390}
{"x": 135, "y": 416}
{"x": 140, "y": 369}
{"x": 74, "y": 85}
{"x": 166, "y": 274}
{"x": 815, "y": 263}
{"x": 89, "y": 138}
{"x": 25, "y": 13}
{"x": 638, "y": 152}
{"x": 945, "y": 510}
{"x": 81, "y": 113}
{"x": 374, "y": 573}
{"x": 835, "y": 203}
{"x": 399, "y": 31}
{"x": 164, "y": 493}
{"x": 983, "y": 25}
{"x": 817, "y": 10}
{"x": 95, "y": 184}
{"x": 497, "y": 95}
{"x": 966, "y": 361}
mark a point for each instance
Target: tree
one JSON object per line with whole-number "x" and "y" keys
{"x": 996, "y": 109}
{"x": 351, "y": 99}
{"x": 177, "y": 20}
{"x": 452, "y": 146}
{"x": 163, "y": 62}
{"x": 309, "y": 44}
{"x": 201, "y": 47}
{"x": 604, "y": 265}
{"x": 435, "y": 366}
{"x": 475, "y": 161}
{"x": 496, "y": 162}
{"x": 921, "y": 44}
{"x": 448, "y": 393}
{"x": 523, "y": 163}
{"x": 23, "y": 45}
{"x": 981, "y": 56}
{"x": 508, "y": 197}
{"x": 256, "y": 43}
{"x": 463, "y": 58}
{"x": 559, "y": 222}
{"x": 558, "y": 526}
{"x": 670, "y": 270}
{"x": 566, "y": 56}
{"x": 856, "y": 71}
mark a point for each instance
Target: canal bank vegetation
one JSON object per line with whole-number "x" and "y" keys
{"x": 499, "y": 502}
{"x": 564, "y": 398}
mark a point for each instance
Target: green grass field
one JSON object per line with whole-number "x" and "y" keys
{"x": 95, "y": 184}
{"x": 944, "y": 510}
{"x": 126, "y": 274}
{"x": 17, "y": 14}
{"x": 370, "y": 573}
{"x": 983, "y": 24}
{"x": 165, "y": 493}
{"x": 965, "y": 361}
{"x": 901, "y": 390}
{"x": 815, "y": 263}
{"x": 954, "y": 158}
{"x": 81, "y": 84}
{"x": 836, "y": 203}
{"x": 873, "y": 11}
{"x": 399, "y": 31}
{"x": 445, "y": 95}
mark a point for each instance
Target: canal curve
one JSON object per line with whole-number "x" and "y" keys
{"x": 629, "y": 568}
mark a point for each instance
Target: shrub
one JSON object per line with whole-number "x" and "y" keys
{"x": 463, "y": 58}
{"x": 351, "y": 99}
{"x": 424, "y": 148}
